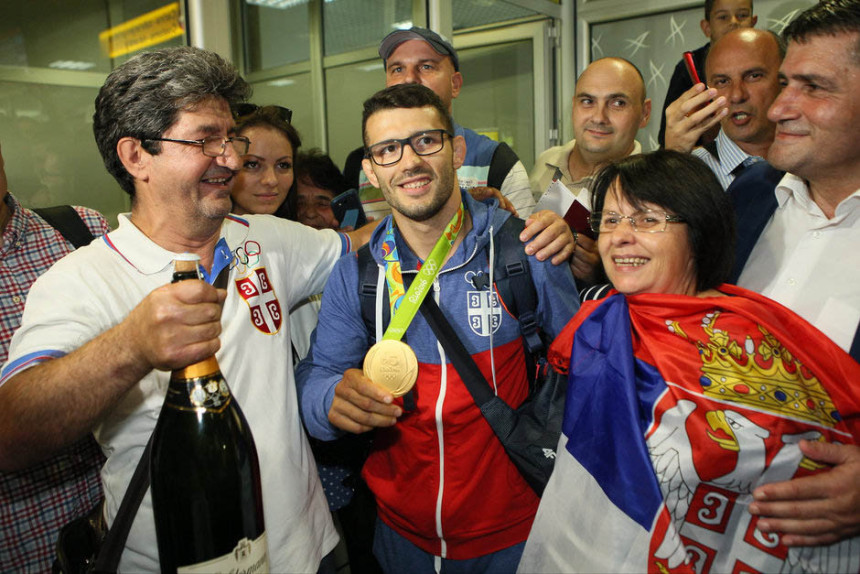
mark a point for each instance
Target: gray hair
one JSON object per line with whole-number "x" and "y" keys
{"x": 144, "y": 96}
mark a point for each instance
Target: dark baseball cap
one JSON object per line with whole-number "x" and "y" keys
{"x": 437, "y": 42}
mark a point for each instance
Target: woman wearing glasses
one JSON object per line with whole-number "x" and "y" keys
{"x": 684, "y": 394}
{"x": 266, "y": 178}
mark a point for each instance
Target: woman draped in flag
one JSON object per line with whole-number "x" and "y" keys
{"x": 684, "y": 395}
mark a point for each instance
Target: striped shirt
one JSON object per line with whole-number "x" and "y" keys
{"x": 729, "y": 161}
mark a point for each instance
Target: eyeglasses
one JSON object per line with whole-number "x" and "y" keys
{"x": 213, "y": 146}
{"x": 390, "y": 152}
{"x": 648, "y": 221}
{"x": 246, "y": 109}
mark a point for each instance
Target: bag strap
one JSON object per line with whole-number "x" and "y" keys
{"x": 463, "y": 362}
{"x": 114, "y": 542}
{"x": 368, "y": 277}
{"x": 66, "y": 220}
{"x": 113, "y": 546}
{"x": 514, "y": 283}
{"x": 504, "y": 159}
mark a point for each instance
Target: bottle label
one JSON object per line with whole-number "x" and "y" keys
{"x": 209, "y": 393}
{"x": 249, "y": 557}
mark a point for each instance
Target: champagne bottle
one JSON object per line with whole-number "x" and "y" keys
{"x": 205, "y": 475}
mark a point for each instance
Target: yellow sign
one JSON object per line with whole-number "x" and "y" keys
{"x": 147, "y": 30}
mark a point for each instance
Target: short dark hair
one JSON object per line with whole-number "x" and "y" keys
{"x": 709, "y": 6}
{"x": 828, "y": 18}
{"x": 269, "y": 117}
{"x": 318, "y": 168}
{"x": 404, "y": 96}
{"x": 682, "y": 184}
{"x": 144, "y": 96}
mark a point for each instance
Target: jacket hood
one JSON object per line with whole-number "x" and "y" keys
{"x": 486, "y": 217}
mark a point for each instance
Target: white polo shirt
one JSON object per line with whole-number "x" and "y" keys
{"x": 809, "y": 263}
{"x": 275, "y": 263}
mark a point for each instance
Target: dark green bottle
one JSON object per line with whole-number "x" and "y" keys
{"x": 206, "y": 493}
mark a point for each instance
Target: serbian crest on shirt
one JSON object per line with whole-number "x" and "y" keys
{"x": 262, "y": 301}
{"x": 485, "y": 313}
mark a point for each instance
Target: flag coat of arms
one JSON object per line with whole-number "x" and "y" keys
{"x": 677, "y": 409}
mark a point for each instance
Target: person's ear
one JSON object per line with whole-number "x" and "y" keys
{"x": 706, "y": 28}
{"x": 367, "y": 166}
{"x": 646, "y": 113}
{"x": 134, "y": 158}
{"x": 458, "y": 143}
{"x": 456, "y": 84}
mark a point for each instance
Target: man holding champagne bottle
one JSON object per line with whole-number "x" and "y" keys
{"x": 103, "y": 328}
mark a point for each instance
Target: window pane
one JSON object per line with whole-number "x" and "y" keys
{"x": 49, "y": 149}
{"x": 362, "y": 23}
{"x": 65, "y": 35}
{"x": 275, "y": 36}
{"x": 293, "y": 92}
{"x": 346, "y": 89}
{"x": 497, "y": 98}
{"x": 470, "y": 13}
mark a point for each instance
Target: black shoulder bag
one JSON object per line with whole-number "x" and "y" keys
{"x": 529, "y": 433}
{"x": 86, "y": 545}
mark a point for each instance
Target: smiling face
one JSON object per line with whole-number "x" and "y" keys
{"x": 267, "y": 172}
{"x": 417, "y": 187}
{"x": 640, "y": 262}
{"x": 608, "y": 110}
{"x": 728, "y": 15}
{"x": 181, "y": 180}
{"x": 744, "y": 67}
{"x": 416, "y": 62}
{"x": 818, "y": 111}
{"x": 314, "y": 205}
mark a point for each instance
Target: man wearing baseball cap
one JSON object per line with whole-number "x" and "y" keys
{"x": 421, "y": 56}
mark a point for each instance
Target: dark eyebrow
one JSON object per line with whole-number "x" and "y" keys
{"x": 822, "y": 81}
{"x": 209, "y": 129}
{"x": 392, "y": 63}
{"x": 608, "y": 97}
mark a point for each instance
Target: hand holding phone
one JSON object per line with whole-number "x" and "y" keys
{"x": 348, "y": 210}
{"x": 691, "y": 68}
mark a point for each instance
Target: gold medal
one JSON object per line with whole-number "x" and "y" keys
{"x": 393, "y": 365}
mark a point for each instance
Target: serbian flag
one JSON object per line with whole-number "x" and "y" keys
{"x": 677, "y": 409}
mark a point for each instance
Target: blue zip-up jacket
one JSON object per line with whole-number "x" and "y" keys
{"x": 440, "y": 476}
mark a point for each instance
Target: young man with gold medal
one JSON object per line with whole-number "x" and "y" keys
{"x": 446, "y": 491}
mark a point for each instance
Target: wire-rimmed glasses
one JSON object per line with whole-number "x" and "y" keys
{"x": 213, "y": 146}
{"x": 648, "y": 221}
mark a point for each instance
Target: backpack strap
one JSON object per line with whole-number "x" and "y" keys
{"x": 503, "y": 161}
{"x": 369, "y": 294}
{"x": 66, "y": 220}
{"x": 514, "y": 284}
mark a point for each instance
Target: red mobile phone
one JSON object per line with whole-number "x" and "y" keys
{"x": 691, "y": 67}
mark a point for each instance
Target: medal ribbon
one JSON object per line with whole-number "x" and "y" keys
{"x": 404, "y": 305}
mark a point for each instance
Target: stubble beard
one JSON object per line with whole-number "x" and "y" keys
{"x": 444, "y": 186}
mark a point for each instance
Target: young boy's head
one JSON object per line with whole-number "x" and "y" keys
{"x": 722, "y": 16}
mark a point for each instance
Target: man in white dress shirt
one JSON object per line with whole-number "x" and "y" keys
{"x": 798, "y": 243}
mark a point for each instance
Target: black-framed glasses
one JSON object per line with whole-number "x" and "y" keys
{"x": 648, "y": 221}
{"x": 246, "y": 109}
{"x": 213, "y": 146}
{"x": 389, "y": 152}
